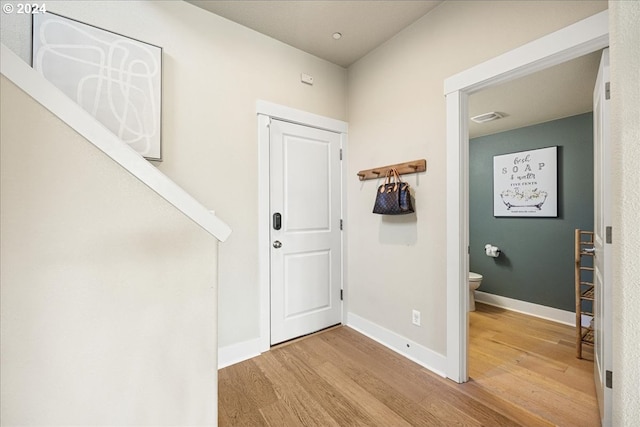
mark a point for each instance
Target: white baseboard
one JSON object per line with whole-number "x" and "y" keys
{"x": 236, "y": 353}
{"x": 536, "y": 310}
{"x": 431, "y": 360}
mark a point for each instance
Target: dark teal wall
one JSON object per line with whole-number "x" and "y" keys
{"x": 537, "y": 263}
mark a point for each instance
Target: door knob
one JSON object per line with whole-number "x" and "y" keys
{"x": 277, "y": 244}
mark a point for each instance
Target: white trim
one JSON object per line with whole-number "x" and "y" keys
{"x": 236, "y": 353}
{"x": 457, "y": 238}
{"x": 50, "y": 97}
{"x": 293, "y": 115}
{"x": 529, "y": 308}
{"x": 266, "y": 111}
{"x": 552, "y": 49}
{"x": 423, "y": 356}
{"x": 264, "y": 256}
{"x": 568, "y": 43}
{"x": 345, "y": 227}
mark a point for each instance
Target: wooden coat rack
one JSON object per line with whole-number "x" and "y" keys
{"x": 402, "y": 168}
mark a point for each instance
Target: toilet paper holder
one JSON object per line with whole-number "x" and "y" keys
{"x": 492, "y": 251}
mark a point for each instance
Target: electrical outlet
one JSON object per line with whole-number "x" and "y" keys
{"x": 415, "y": 317}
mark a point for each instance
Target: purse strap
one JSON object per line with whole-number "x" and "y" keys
{"x": 392, "y": 177}
{"x": 403, "y": 185}
{"x": 387, "y": 179}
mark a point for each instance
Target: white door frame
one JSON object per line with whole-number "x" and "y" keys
{"x": 578, "y": 39}
{"x": 267, "y": 111}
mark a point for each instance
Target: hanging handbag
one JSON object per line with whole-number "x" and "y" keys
{"x": 393, "y": 197}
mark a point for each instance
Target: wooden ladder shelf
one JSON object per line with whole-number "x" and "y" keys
{"x": 584, "y": 285}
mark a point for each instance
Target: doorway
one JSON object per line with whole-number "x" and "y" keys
{"x": 571, "y": 42}
{"x": 544, "y": 111}
{"x": 534, "y": 273}
{"x": 584, "y": 37}
{"x": 317, "y": 131}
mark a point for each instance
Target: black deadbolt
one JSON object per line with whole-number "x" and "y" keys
{"x": 277, "y": 221}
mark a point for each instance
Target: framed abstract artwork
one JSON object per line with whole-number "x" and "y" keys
{"x": 118, "y": 80}
{"x": 526, "y": 183}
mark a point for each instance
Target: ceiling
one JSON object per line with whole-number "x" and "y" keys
{"x": 309, "y": 25}
{"x": 557, "y": 92}
{"x": 561, "y": 91}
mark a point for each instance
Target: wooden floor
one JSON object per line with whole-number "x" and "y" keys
{"x": 523, "y": 372}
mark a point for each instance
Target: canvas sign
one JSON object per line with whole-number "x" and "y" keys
{"x": 526, "y": 184}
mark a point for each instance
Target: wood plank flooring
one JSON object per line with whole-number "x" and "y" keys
{"x": 531, "y": 363}
{"x": 523, "y": 372}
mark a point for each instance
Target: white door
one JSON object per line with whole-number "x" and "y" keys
{"x": 306, "y": 241}
{"x": 602, "y": 238}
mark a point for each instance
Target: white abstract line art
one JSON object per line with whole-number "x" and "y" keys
{"x": 115, "y": 78}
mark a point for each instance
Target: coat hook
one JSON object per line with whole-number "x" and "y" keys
{"x": 402, "y": 168}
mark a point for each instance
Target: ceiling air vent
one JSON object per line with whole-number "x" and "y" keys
{"x": 487, "y": 117}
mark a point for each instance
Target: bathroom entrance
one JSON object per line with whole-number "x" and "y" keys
{"x": 570, "y": 43}
{"x": 533, "y": 270}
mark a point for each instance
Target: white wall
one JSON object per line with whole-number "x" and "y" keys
{"x": 108, "y": 293}
{"x": 214, "y": 71}
{"x": 397, "y": 113}
{"x": 624, "y": 17}
{"x": 15, "y": 31}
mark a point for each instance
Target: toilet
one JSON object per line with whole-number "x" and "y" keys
{"x": 474, "y": 283}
